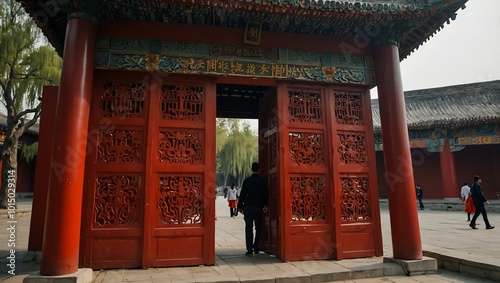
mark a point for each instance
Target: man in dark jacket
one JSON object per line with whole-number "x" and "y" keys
{"x": 420, "y": 195}
{"x": 253, "y": 204}
{"x": 479, "y": 201}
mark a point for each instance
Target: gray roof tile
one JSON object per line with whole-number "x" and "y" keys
{"x": 449, "y": 106}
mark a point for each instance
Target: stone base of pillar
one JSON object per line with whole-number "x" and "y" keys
{"x": 83, "y": 275}
{"x": 426, "y": 265}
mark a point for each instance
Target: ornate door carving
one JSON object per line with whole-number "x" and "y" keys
{"x": 358, "y": 228}
{"x": 150, "y": 167}
{"x": 322, "y": 149}
{"x": 304, "y": 168}
{"x": 183, "y": 174}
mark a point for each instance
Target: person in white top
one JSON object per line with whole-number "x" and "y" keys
{"x": 231, "y": 199}
{"x": 465, "y": 192}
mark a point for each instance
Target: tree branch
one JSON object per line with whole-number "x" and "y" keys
{"x": 31, "y": 73}
{"x": 22, "y": 129}
{"x": 32, "y": 110}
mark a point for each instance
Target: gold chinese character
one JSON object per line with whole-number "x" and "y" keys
{"x": 278, "y": 71}
{"x": 198, "y": 65}
{"x": 264, "y": 70}
{"x": 236, "y": 67}
{"x": 223, "y": 67}
{"x": 211, "y": 65}
{"x": 251, "y": 69}
{"x": 293, "y": 72}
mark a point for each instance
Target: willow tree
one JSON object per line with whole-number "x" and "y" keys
{"x": 238, "y": 152}
{"x": 27, "y": 63}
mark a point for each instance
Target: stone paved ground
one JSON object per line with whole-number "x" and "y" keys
{"x": 445, "y": 231}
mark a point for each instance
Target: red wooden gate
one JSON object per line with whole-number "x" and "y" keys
{"x": 317, "y": 147}
{"x": 354, "y": 169}
{"x": 149, "y": 197}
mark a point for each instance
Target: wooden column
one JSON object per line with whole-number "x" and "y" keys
{"x": 64, "y": 203}
{"x": 405, "y": 228}
{"x": 42, "y": 171}
{"x": 448, "y": 172}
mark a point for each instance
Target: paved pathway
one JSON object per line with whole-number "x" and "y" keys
{"x": 445, "y": 232}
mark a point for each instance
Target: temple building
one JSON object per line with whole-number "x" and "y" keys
{"x": 130, "y": 140}
{"x": 454, "y": 134}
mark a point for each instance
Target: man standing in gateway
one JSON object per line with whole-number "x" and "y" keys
{"x": 253, "y": 204}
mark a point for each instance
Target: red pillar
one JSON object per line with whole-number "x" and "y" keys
{"x": 64, "y": 203}
{"x": 405, "y": 228}
{"x": 448, "y": 171}
{"x": 42, "y": 171}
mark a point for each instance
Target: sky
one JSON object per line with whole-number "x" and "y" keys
{"x": 465, "y": 51}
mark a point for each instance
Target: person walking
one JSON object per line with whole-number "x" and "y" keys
{"x": 469, "y": 204}
{"x": 479, "y": 201}
{"x": 420, "y": 195}
{"x": 253, "y": 204}
{"x": 231, "y": 200}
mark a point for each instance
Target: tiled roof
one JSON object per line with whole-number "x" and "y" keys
{"x": 444, "y": 107}
{"x": 412, "y": 22}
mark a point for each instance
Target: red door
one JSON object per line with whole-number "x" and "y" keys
{"x": 358, "y": 230}
{"x": 268, "y": 158}
{"x": 149, "y": 196}
{"x": 304, "y": 163}
{"x": 182, "y": 200}
{"x": 321, "y": 173}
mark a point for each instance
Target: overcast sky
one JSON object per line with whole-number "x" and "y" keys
{"x": 465, "y": 51}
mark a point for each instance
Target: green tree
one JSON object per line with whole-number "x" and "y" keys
{"x": 27, "y": 63}
{"x": 237, "y": 153}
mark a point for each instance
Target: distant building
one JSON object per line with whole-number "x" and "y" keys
{"x": 454, "y": 134}
{"x": 25, "y": 171}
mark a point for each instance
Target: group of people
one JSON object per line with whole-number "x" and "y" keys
{"x": 474, "y": 200}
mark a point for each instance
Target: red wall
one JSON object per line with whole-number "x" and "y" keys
{"x": 483, "y": 160}
{"x": 25, "y": 174}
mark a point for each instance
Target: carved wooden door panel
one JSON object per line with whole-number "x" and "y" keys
{"x": 182, "y": 202}
{"x": 268, "y": 159}
{"x": 358, "y": 229}
{"x": 150, "y": 171}
{"x": 112, "y": 226}
{"x": 304, "y": 174}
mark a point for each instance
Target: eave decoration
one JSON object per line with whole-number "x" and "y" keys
{"x": 232, "y": 60}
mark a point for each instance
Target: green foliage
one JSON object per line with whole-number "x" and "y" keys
{"x": 238, "y": 148}
{"x": 27, "y": 61}
{"x": 29, "y": 152}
